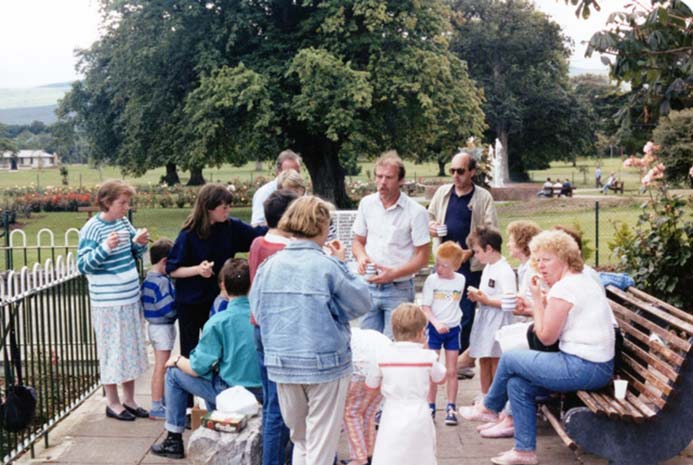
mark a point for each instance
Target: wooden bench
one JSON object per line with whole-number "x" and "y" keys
{"x": 654, "y": 422}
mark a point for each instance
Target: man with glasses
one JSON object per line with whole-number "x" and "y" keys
{"x": 462, "y": 206}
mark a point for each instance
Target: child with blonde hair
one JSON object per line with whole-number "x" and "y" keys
{"x": 403, "y": 373}
{"x": 442, "y": 293}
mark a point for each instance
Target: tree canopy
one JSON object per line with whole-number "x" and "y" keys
{"x": 196, "y": 83}
{"x": 520, "y": 58}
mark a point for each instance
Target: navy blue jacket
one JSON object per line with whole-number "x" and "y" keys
{"x": 224, "y": 241}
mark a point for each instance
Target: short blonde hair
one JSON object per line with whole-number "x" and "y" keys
{"x": 522, "y": 232}
{"x": 561, "y": 244}
{"x": 110, "y": 191}
{"x": 452, "y": 251}
{"x": 291, "y": 180}
{"x": 408, "y": 320}
{"x": 391, "y": 158}
{"x": 306, "y": 217}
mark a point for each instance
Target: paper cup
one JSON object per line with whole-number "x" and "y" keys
{"x": 620, "y": 388}
{"x": 442, "y": 231}
{"x": 123, "y": 236}
{"x": 370, "y": 270}
{"x": 509, "y": 302}
{"x": 472, "y": 289}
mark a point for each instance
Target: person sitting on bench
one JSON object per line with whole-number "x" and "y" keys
{"x": 567, "y": 188}
{"x": 547, "y": 189}
{"x": 610, "y": 183}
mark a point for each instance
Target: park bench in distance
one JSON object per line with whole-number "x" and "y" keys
{"x": 617, "y": 187}
{"x": 653, "y": 423}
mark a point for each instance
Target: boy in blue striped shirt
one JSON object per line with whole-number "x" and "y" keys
{"x": 158, "y": 298}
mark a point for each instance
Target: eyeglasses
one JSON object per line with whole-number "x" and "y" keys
{"x": 458, "y": 171}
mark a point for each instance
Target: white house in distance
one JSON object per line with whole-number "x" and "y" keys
{"x": 23, "y": 159}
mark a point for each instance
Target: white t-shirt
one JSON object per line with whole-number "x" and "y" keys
{"x": 588, "y": 331}
{"x": 259, "y": 197}
{"x": 391, "y": 234}
{"x": 443, "y": 296}
{"x": 497, "y": 279}
{"x": 367, "y": 345}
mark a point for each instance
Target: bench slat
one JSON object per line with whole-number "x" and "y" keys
{"x": 645, "y": 391}
{"x": 616, "y": 410}
{"x": 640, "y": 405}
{"x": 591, "y": 404}
{"x": 558, "y": 427}
{"x": 660, "y": 303}
{"x": 625, "y": 316}
{"x": 633, "y": 413}
{"x": 670, "y": 372}
{"x": 645, "y": 373}
{"x": 678, "y": 323}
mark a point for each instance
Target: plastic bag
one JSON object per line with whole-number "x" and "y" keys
{"x": 237, "y": 400}
{"x": 513, "y": 336}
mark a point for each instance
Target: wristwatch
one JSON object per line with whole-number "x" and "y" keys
{"x": 175, "y": 363}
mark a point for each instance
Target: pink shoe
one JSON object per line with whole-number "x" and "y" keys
{"x": 488, "y": 425}
{"x": 513, "y": 457}
{"x": 472, "y": 413}
{"x": 498, "y": 431}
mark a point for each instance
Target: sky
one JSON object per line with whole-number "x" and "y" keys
{"x": 38, "y": 37}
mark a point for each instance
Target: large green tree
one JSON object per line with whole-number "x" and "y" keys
{"x": 650, "y": 46}
{"x": 196, "y": 83}
{"x": 520, "y": 58}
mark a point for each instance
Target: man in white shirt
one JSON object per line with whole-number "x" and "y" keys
{"x": 287, "y": 160}
{"x": 391, "y": 233}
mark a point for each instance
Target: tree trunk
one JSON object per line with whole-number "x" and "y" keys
{"x": 502, "y": 134}
{"x": 196, "y": 178}
{"x": 441, "y": 167}
{"x": 326, "y": 173}
{"x": 258, "y": 165}
{"x": 171, "y": 177}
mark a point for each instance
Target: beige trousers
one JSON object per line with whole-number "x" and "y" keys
{"x": 313, "y": 413}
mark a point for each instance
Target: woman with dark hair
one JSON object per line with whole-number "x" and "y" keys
{"x": 208, "y": 238}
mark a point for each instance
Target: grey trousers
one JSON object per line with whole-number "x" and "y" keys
{"x": 313, "y": 413}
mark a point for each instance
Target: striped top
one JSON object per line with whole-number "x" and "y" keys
{"x": 158, "y": 297}
{"x": 112, "y": 274}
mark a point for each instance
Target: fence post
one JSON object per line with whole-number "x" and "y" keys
{"x": 596, "y": 233}
{"x": 8, "y": 251}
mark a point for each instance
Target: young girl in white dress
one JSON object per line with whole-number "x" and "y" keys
{"x": 406, "y": 435}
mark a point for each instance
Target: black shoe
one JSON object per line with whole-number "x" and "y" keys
{"x": 171, "y": 447}
{"x": 138, "y": 412}
{"x": 125, "y": 415}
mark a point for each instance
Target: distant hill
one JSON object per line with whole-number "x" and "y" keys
{"x": 33, "y": 96}
{"x": 27, "y": 115}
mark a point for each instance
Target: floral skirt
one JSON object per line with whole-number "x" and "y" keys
{"x": 120, "y": 342}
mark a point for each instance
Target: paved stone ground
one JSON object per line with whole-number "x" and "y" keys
{"x": 88, "y": 437}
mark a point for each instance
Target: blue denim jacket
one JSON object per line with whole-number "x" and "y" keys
{"x": 303, "y": 301}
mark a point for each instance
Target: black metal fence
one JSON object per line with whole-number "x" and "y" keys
{"x": 49, "y": 310}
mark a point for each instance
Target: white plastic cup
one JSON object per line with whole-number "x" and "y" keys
{"x": 620, "y": 388}
{"x": 509, "y": 302}
{"x": 123, "y": 236}
{"x": 370, "y": 269}
{"x": 442, "y": 230}
{"x": 472, "y": 290}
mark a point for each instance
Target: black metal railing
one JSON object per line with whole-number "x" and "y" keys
{"x": 49, "y": 309}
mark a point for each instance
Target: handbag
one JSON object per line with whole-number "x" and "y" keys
{"x": 536, "y": 344}
{"x": 19, "y": 406}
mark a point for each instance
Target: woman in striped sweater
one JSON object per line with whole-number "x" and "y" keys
{"x": 108, "y": 245}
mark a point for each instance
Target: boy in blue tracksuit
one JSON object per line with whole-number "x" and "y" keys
{"x": 158, "y": 298}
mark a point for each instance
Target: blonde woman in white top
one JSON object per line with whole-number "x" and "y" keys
{"x": 575, "y": 313}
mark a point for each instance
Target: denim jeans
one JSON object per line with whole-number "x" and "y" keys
{"x": 522, "y": 375}
{"x": 275, "y": 433}
{"x": 472, "y": 278}
{"x": 385, "y": 298}
{"x": 179, "y": 385}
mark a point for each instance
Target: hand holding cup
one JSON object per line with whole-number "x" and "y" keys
{"x": 141, "y": 236}
{"x": 206, "y": 270}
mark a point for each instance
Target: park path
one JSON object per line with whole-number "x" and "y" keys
{"x": 86, "y": 436}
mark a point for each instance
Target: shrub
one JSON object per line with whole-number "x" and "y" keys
{"x": 674, "y": 134}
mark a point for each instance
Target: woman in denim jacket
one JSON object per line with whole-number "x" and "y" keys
{"x": 303, "y": 300}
